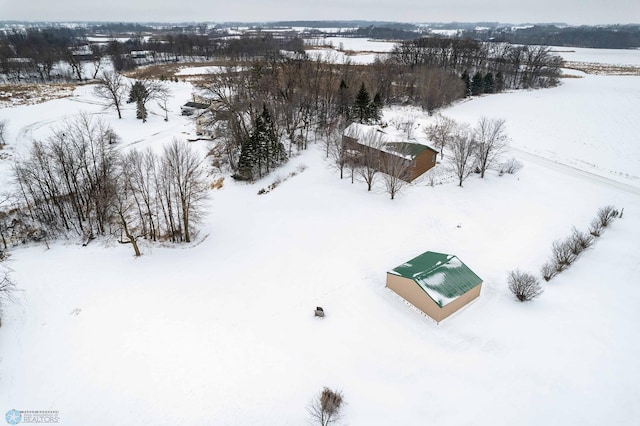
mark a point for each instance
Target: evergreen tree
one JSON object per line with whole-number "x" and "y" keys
{"x": 138, "y": 92}
{"x": 246, "y": 161}
{"x": 276, "y": 151}
{"x": 467, "y": 83}
{"x": 476, "y": 84}
{"x": 362, "y": 107}
{"x": 376, "y": 108}
{"x": 141, "y": 111}
{"x": 488, "y": 83}
{"x": 499, "y": 83}
{"x": 260, "y": 141}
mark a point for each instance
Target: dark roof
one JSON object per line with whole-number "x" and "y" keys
{"x": 442, "y": 276}
{"x": 408, "y": 148}
{"x": 196, "y": 105}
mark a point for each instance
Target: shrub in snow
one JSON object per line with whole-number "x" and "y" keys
{"x": 325, "y": 408}
{"x": 562, "y": 253}
{"x": 524, "y": 285}
{"x": 510, "y": 166}
{"x": 549, "y": 270}
{"x": 579, "y": 241}
{"x": 595, "y": 229}
{"x": 606, "y": 215}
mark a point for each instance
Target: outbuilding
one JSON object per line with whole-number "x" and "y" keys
{"x": 395, "y": 154}
{"x": 438, "y": 284}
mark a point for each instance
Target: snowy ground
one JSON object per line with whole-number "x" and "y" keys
{"x": 222, "y": 332}
{"x": 629, "y": 57}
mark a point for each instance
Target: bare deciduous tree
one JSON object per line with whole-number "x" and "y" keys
{"x": 3, "y": 130}
{"x": 369, "y": 164}
{"x": 524, "y": 285}
{"x": 441, "y": 132}
{"x": 491, "y": 140}
{"x": 7, "y": 289}
{"x": 337, "y": 152}
{"x": 187, "y": 179}
{"x": 396, "y": 171}
{"x": 462, "y": 154}
{"x": 111, "y": 87}
{"x": 325, "y": 408}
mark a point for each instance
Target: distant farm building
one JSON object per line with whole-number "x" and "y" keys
{"x": 405, "y": 158}
{"x": 437, "y": 284}
{"x": 200, "y": 108}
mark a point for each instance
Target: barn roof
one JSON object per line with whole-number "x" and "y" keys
{"x": 442, "y": 276}
{"x": 196, "y": 105}
{"x": 391, "y": 139}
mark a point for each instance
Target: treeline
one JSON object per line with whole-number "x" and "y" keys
{"x": 608, "y": 37}
{"x": 32, "y": 55}
{"x": 306, "y": 97}
{"x": 384, "y": 33}
{"x": 517, "y": 66}
{"x": 76, "y": 182}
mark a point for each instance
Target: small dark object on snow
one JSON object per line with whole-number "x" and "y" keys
{"x": 319, "y": 312}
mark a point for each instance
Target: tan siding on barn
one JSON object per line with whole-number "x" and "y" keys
{"x": 412, "y": 293}
{"x": 424, "y": 161}
{"x": 420, "y": 163}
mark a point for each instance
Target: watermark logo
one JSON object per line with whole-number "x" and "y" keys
{"x": 13, "y": 417}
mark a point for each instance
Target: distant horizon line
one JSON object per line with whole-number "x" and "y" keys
{"x": 341, "y": 21}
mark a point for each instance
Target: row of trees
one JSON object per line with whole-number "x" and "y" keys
{"x": 526, "y": 286}
{"x": 364, "y": 154}
{"x": 31, "y": 55}
{"x": 519, "y": 66}
{"x": 471, "y": 149}
{"x": 76, "y": 182}
{"x": 601, "y": 36}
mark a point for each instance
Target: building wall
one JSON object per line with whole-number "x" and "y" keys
{"x": 409, "y": 291}
{"x": 461, "y": 301}
{"x": 421, "y": 163}
{"x": 412, "y": 293}
{"x": 424, "y": 161}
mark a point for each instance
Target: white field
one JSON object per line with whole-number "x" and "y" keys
{"x": 628, "y": 57}
{"x": 222, "y": 332}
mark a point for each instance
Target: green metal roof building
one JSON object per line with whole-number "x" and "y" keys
{"x": 438, "y": 284}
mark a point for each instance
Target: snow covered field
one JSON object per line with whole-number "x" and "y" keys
{"x": 222, "y": 332}
{"x": 630, "y": 57}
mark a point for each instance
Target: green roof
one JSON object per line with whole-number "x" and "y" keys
{"x": 442, "y": 276}
{"x": 407, "y": 148}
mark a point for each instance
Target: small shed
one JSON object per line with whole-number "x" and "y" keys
{"x": 190, "y": 108}
{"x": 438, "y": 284}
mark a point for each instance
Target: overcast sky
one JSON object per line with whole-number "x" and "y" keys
{"x": 511, "y": 11}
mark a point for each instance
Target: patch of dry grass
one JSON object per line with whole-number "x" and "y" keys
{"x": 30, "y": 94}
{"x": 603, "y": 69}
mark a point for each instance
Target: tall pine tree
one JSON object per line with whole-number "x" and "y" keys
{"x": 489, "y": 85}
{"x": 467, "y": 83}
{"x": 376, "y": 108}
{"x": 476, "y": 84}
{"x": 362, "y": 107}
{"x": 141, "y": 111}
